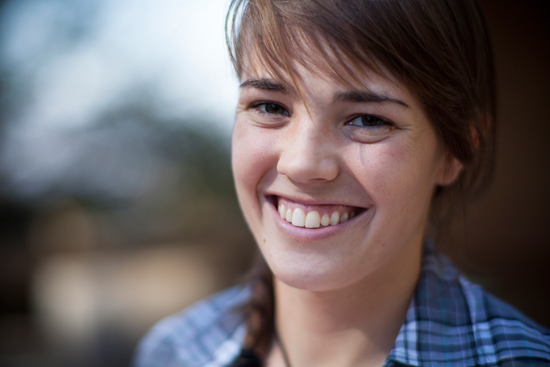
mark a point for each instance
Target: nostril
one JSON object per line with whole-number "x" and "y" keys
{"x": 308, "y": 163}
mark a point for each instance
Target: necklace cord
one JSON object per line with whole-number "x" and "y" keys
{"x": 283, "y": 349}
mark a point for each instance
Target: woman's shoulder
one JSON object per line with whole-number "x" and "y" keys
{"x": 504, "y": 335}
{"x": 209, "y": 333}
{"x": 452, "y": 321}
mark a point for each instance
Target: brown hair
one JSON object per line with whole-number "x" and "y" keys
{"x": 439, "y": 49}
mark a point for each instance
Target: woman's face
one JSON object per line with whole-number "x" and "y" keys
{"x": 334, "y": 181}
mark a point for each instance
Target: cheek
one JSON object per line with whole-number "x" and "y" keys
{"x": 398, "y": 176}
{"x": 252, "y": 158}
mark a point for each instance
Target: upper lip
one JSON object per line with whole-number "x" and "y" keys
{"x": 313, "y": 201}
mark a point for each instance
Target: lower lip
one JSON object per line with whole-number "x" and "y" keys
{"x": 310, "y": 234}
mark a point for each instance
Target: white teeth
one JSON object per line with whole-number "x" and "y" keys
{"x": 288, "y": 215}
{"x": 313, "y": 220}
{"x": 298, "y": 217}
{"x": 344, "y": 217}
{"x": 334, "y": 218}
{"x": 282, "y": 211}
{"x": 325, "y": 220}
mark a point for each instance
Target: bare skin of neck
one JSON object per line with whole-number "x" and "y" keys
{"x": 354, "y": 326}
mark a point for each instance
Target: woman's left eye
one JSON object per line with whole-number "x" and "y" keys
{"x": 272, "y": 109}
{"x": 368, "y": 121}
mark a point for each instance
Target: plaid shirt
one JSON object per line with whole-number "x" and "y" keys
{"x": 450, "y": 322}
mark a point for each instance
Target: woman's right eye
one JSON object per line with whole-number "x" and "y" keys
{"x": 272, "y": 109}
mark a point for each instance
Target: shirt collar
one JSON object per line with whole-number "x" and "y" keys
{"x": 428, "y": 326}
{"x": 452, "y": 322}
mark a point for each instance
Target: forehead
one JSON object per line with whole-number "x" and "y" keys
{"x": 319, "y": 59}
{"x": 310, "y": 50}
{"x": 302, "y": 80}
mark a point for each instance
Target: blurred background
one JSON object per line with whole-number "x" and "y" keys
{"x": 116, "y": 197}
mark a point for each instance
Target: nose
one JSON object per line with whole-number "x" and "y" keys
{"x": 308, "y": 155}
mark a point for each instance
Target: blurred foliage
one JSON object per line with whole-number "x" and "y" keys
{"x": 112, "y": 222}
{"x": 129, "y": 162}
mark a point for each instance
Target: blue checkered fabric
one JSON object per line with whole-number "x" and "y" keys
{"x": 450, "y": 322}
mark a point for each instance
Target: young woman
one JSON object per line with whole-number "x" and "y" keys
{"x": 360, "y": 124}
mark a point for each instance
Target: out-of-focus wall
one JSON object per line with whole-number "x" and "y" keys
{"x": 507, "y": 244}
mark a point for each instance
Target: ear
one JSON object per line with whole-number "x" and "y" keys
{"x": 449, "y": 173}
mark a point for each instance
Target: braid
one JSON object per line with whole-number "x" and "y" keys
{"x": 259, "y": 314}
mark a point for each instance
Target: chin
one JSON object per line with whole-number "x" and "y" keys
{"x": 310, "y": 274}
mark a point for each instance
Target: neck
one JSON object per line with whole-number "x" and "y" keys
{"x": 355, "y": 325}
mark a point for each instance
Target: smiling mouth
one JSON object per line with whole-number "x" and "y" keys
{"x": 313, "y": 216}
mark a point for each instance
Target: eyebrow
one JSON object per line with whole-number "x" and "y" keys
{"x": 265, "y": 84}
{"x": 366, "y": 96}
{"x": 347, "y": 96}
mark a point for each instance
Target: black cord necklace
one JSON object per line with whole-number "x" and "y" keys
{"x": 283, "y": 349}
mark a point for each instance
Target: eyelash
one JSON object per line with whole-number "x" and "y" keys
{"x": 380, "y": 121}
{"x": 257, "y": 106}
